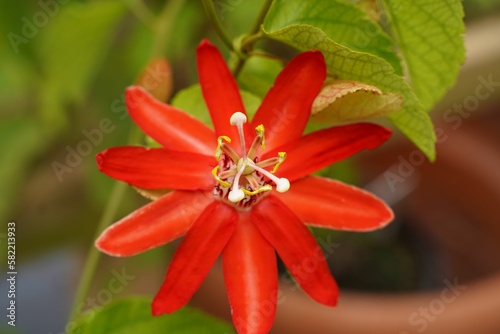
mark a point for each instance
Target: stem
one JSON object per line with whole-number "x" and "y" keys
{"x": 94, "y": 254}
{"x": 106, "y": 219}
{"x": 248, "y": 42}
{"x": 141, "y": 11}
{"x": 164, "y": 26}
{"x": 268, "y": 56}
{"x": 253, "y": 36}
{"x": 216, "y": 23}
{"x": 262, "y": 15}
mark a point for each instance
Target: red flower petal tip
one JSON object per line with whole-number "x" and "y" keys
{"x": 312, "y": 54}
{"x": 331, "y": 298}
{"x": 108, "y": 246}
{"x": 205, "y": 43}
{"x": 156, "y": 312}
{"x": 134, "y": 95}
{"x": 99, "y": 157}
{"x": 160, "y": 306}
{"x": 383, "y": 135}
{"x": 101, "y": 245}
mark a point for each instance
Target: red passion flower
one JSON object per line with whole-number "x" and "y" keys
{"x": 242, "y": 190}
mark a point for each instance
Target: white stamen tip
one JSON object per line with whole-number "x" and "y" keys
{"x": 238, "y": 118}
{"x": 236, "y": 195}
{"x": 282, "y": 185}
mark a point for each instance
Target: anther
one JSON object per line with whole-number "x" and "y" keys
{"x": 260, "y": 133}
{"x": 281, "y": 158}
{"x": 223, "y": 148}
{"x": 258, "y": 141}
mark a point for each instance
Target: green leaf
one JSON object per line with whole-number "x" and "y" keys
{"x": 71, "y": 49}
{"x": 133, "y": 315}
{"x": 346, "y": 101}
{"x": 429, "y": 35}
{"x": 258, "y": 75}
{"x": 342, "y": 22}
{"x": 352, "y": 65}
{"x": 191, "y": 101}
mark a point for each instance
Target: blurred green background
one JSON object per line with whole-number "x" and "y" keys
{"x": 64, "y": 66}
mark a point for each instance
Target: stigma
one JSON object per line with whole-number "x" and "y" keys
{"x": 243, "y": 180}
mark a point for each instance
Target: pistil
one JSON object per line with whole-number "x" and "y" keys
{"x": 236, "y": 194}
{"x": 238, "y": 119}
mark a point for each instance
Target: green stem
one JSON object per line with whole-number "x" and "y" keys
{"x": 217, "y": 24}
{"x": 254, "y": 35}
{"x": 248, "y": 42}
{"x": 94, "y": 255}
{"x": 163, "y": 30}
{"x": 260, "y": 19}
{"x": 164, "y": 26}
{"x": 141, "y": 11}
{"x": 267, "y": 56}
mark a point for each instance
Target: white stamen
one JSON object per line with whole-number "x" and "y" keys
{"x": 282, "y": 184}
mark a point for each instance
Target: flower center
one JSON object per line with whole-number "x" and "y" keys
{"x": 242, "y": 181}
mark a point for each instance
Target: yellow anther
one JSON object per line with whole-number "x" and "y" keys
{"x": 218, "y": 179}
{"x": 281, "y": 158}
{"x": 220, "y": 141}
{"x": 262, "y": 189}
{"x": 260, "y": 132}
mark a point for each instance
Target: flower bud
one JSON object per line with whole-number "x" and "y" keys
{"x": 156, "y": 78}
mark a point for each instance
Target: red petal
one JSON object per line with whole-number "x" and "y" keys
{"x": 297, "y": 248}
{"x": 195, "y": 256}
{"x": 286, "y": 108}
{"x": 220, "y": 92}
{"x": 332, "y": 204}
{"x": 251, "y": 277}
{"x": 325, "y": 147}
{"x": 154, "y": 224}
{"x": 169, "y": 126}
{"x": 157, "y": 168}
